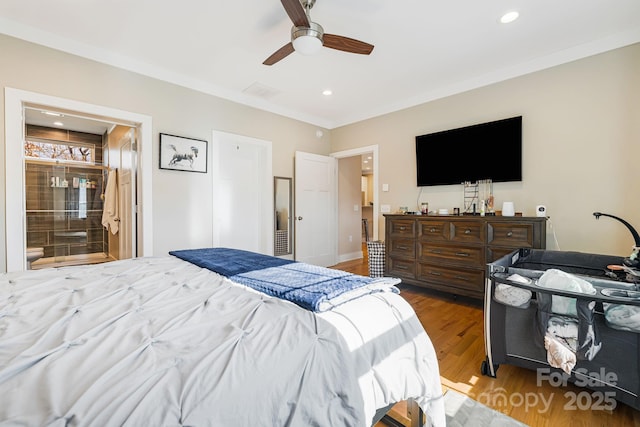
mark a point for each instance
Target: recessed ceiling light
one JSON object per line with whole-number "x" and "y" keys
{"x": 327, "y": 92}
{"x": 509, "y": 17}
{"x": 51, "y": 113}
{"x": 58, "y": 123}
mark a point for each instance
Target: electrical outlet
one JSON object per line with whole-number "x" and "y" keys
{"x": 350, "y": 238}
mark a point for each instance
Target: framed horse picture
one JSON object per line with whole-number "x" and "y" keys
{"x": 183, "y": 154}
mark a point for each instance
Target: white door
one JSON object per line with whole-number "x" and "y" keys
{"x": 315, "y": 211}
{"x": 126, "y": 192}
{"x": 242, "y": 193}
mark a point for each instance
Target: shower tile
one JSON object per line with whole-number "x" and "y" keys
{"x": 95, "y": 235}
{"x": 37, "y": 238}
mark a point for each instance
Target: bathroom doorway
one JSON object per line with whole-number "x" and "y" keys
{"x": 74, "y": 214}
{"x": 76, "y": 217}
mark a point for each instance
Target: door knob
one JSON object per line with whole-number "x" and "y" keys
{"x": 299, "y": 218}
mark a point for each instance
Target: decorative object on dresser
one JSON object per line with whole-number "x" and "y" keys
{"x": 450, "y": 253}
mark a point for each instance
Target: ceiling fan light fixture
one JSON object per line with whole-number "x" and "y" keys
{"x": 307, "y": 40}
{"x": 307, "y": 37}
{"x": 307, "y": 45}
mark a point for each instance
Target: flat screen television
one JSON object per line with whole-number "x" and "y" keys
{"x": 490, "y": 150}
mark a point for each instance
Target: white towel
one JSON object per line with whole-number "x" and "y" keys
{"x": 110, "y": 211}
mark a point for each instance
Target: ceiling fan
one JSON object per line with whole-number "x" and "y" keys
{"x": 308, "y": 37}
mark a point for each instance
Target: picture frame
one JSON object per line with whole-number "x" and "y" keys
{"x": 183, "y": 154}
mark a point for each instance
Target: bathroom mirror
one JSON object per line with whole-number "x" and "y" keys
{"x": 283, "y": 220}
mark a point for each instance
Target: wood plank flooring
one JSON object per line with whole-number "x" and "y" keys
{"x": 456, "y": 330}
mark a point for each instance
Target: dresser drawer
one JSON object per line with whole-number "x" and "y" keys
{"x": 434, "y": 231}
{"x": 471, "y": 256}
{"x": 402, "y": 247}
{"x": 468, "y": 279}
{"x": 494, "y": 253}
{"x": 401, "y": 268}
{"x": 402, "y": 227}
{"x": 513, "y": 235}
{"x": 467, "y": 232}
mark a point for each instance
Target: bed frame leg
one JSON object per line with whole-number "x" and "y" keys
{"x": 415, "y": 414}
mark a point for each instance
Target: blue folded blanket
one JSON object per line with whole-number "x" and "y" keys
{"x": 311, "y": 287}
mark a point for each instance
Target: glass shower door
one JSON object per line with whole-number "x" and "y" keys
{"x": 63, "y": 188}
{"x": 60, "y": 213}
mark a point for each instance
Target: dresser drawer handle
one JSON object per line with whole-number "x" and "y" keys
{"x": 436, "y": 251}
{"x": 402, "y": 267}
{"x": 464, "y": 254}
{"x": 435, "y": 273}
{"x": 403, "y": 248}
{"x": 467, "y": 231}
{"x": 509, "y": 234}
{"x": 433, "y": 230}
{"x": 402, "y": 228}
{"x": 462, "y": 278}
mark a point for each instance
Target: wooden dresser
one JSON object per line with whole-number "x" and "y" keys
{"x": 450, "y": 253}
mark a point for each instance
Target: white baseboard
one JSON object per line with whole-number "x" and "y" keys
{"x": 350, "y": 256}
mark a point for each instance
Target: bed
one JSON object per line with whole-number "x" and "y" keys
{"x": 160, "y": 341}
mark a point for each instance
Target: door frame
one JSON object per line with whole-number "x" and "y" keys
{"x": 15, "y": 219}
{"x": 376, "y": 176}
{"x": 128, "y": 242}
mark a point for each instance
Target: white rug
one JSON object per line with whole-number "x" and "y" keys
{"x": 464, "y": 411}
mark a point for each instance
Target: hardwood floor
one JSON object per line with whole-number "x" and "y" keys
{"x": 455, "y": 327}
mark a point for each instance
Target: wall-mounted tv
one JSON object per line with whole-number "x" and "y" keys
{"x": 490, "y": 150}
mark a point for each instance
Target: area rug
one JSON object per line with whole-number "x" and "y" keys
{"x": 461, "y": 411}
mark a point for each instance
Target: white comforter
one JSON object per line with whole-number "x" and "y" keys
{"x": 160, "y": 342}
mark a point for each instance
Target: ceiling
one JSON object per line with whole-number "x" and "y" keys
{"x": 424, "y": 49}
{"x": 56, "y": 119}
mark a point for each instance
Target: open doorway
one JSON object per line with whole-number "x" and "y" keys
{"x": 69, "y": 190}
{"x": 74, "y": 214}
{"x": 357, "y": 217}
{"x": 366, "y": 191}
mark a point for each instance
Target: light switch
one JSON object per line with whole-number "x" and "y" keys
{"x": 385, "y": 187}
{"x": 356, "y": 208}
{"x": 385, "y": 208}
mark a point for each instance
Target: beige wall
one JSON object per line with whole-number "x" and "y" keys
{"x": 581, "y": 140}
{"x": 174, "y": 109}
{"x": 349, "y": 219}
{"x": 581, "y": 147}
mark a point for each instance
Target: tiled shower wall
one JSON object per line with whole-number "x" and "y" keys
{"x": 55, "y": 220}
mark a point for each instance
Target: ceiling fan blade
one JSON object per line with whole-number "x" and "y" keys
{"x": 296, "y": 12}
{"x": 279, "y": 54}
{"x": 347, "y": 44}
